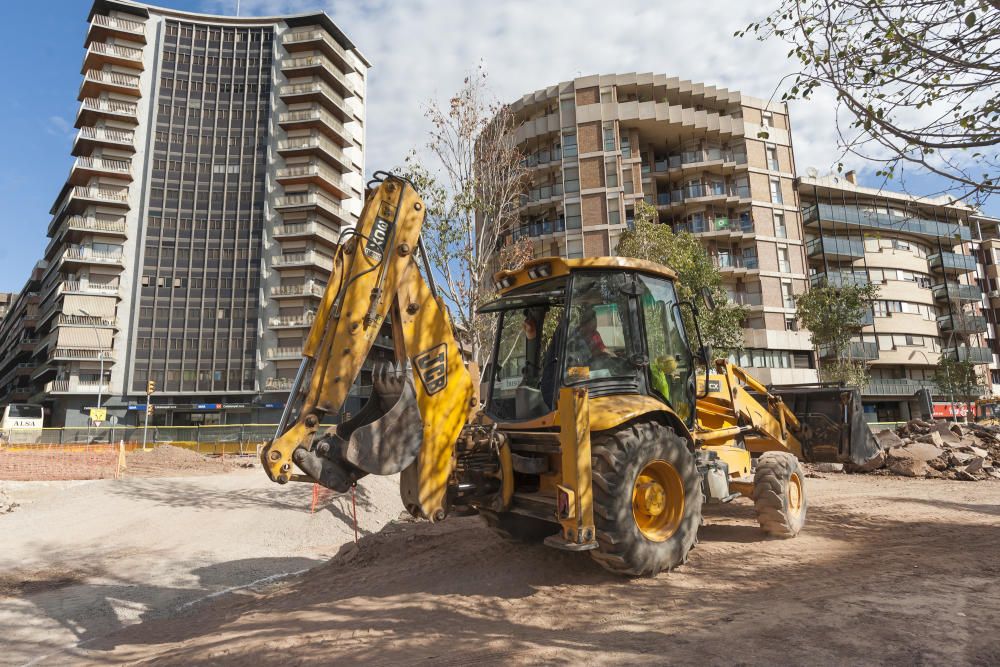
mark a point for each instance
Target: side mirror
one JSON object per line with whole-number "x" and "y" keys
{"x": 708, "y": 298}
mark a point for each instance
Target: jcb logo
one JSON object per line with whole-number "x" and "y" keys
{"x": 375, "y": 247}
{"x": 432, "y": 368}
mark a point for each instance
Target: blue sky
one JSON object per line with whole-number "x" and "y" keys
{"x": 420, "y": 50}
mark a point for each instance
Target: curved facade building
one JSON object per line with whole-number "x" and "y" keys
{"x": 598, "y": 144}
{"x": 920, "y": 253}
{"x": 216, "y": 161}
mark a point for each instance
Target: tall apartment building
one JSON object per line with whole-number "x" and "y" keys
{"x": 986, "y": 247}
{"x": 921, "y": 252}
{"x": 598, "y": 144}
{"x": 216, "y": 161}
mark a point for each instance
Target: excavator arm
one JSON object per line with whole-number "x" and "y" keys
{"x": 413, "y": 419}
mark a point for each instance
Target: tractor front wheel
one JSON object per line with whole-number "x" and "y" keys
{"x": 779, "y": 494}
{"x": 647, "y": 498}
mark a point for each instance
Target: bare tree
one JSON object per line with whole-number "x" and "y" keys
{"x": 916, "y": 81}
{"x": 472, "y": 186}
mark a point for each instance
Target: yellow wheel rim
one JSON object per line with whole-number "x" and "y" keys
{"x": 795, "y": 494}
{"x": 658, "y": 501}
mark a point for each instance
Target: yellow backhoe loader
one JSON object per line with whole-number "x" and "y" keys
{"x": 599, "y": 427}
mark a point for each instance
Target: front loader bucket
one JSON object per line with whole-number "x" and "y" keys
{"x": 385, "y": 436}
{"x": 833, "y": 423}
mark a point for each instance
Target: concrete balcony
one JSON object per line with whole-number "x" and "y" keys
{"x": 64, "y": 320}
{"x": 952, "y": 263}
{"x": 977, "y": 355}
{"x": 278, "y": 384}
{"x": 315, "y": 173}
{"x": 303, "y": 321}
{"x": 75, "y": 199}
{"x": 284, "y": 353}
{"x": 75, "y": 387}
{"x": 307, "y": 290}
{"x": 303, "y": 259}
{"x": 103, "y": 27}
{"x": 97, "y": 81}
{"x": 318, "y": 119}
{"x": 962, "y": 324}
{"x": 317, "y": 146}
{"x": 855, "y": 351}
{"x": 86, "y": 168}
{"x": 90, "y": 138}
{"x": 897, "y": 388}
{"x": 79, "y": 287}
{"x": 85, "y": 255}
{"x": 308, "y": 230}
{"x": 93, "y": 109}
{"x": 296, "y": 41}
{"x": 80, "y": 354}
{"x": 321, "y": 67}
{"x": 105, "y": 226}
{"x": 957, "y": 292}
{"x": 833, "y": 247}
{"x": 313, "y": 201}
{"x": 321, "y": 93}
{"x": 100, "y": 54}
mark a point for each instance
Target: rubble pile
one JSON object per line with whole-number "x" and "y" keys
{"x": 939, "y": 449}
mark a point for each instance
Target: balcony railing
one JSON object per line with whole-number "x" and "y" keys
{"x": 539, "y": 228}
{"x": 96, "y": 80}
{"x": 543, "y": 193}
{"x": 876, "y": 220}
{"x": 329, "y": 69}
{"x": 328, "y": 44}
{"x": 717, "y": 224}
{"x": 836, "y": 248}
{"x": 317, "y": 115}
{"x": 116, "y": 51}
{"x": 314, "y": 143}
{"x": 977, "y": 355}
{"x": 307, "y": 229}
{"x": 897, "y": 387}
{"x": 313, "y": 88}
{"x": 68, "y": 387}
{"x": 94, "y": 224}
{"x": 86, "y": 320}
{"x": 277, "y": 353}
{"x": 542, "y": 157}
{"x": 80, "y": 353}
{"x": 88, "y": 288}
{"x": 309, "y": 289}
{"x": 118, "y": 24}
{"x": 957, "y": 292}
{"x": 963, "y": 324}
{"x": 310, "y": 171}
{"x": 89, "y": 255}
{"x": 109, "y": 106}
{"x": 106, "y": 135}
{"x": 951, "y": 262}
{"x": 292, "y": 320}
{"x": 747, "y": 299}
{"x": 304, "y": 259}
{"x": 855, "y": 350}
{"x": 278, "y": 384}
{"x": 115, "y": 167}
{"x": 735, "y": 262}
{"x": 698, "y": 157}
{"x": 304, "y": 199}
{"x": 839, "y": 278}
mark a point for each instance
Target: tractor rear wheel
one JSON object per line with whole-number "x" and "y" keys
{"x": 647, "y": 498}
{"x": 517, "y": 527}
{"x": 779, "y": 494}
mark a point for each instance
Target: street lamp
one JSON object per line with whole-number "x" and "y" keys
{"x": 100, "y": 358}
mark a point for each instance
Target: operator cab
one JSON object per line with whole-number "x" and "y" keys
{"x": 610, "y": 324}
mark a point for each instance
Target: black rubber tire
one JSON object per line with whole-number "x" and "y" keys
{"x": 517, "y": 527}
{"x": 770, "y": 494}
{"x": 618, "y": 458}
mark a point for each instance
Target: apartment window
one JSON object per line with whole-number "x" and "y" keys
{"x": 573, "y": 220}
{"x": 614, "y": 215}
{"x": 607, "y": 95}
{"x": 784, "y": 265}
{"x": 567, "y": 110}
{"x": 767, "y": 119}
{"x": 779, "y": 225}
{"x": 612, "y": 173}
{"x": 569, "y": 144}
{"x": 776, "y": 191}
{"x": 791, "y": 324}
{"x": 571, "y": 179}
{"x": 609, "y": 137}
{"x": 574, "y": 248}
{"x": 772, "y": 158}
{"x": 786, "y": 294}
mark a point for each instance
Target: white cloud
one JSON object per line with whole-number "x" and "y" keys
{"x": 58, "y": 126}
{"x": 422, "y": 49}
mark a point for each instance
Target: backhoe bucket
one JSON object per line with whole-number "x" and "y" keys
{"x": 833, "y": 423}
{"x": 385, "y": 436}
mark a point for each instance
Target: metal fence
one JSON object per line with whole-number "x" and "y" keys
{"x": 226, "y": 439}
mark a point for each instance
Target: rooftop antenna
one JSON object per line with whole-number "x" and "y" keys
{"x": 237, "y": 7}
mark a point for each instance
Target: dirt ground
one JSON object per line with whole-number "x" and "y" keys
{"x": 49, "y": 463}
{"x": 887, "y": 571}
{"x": 80, "y": 560}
